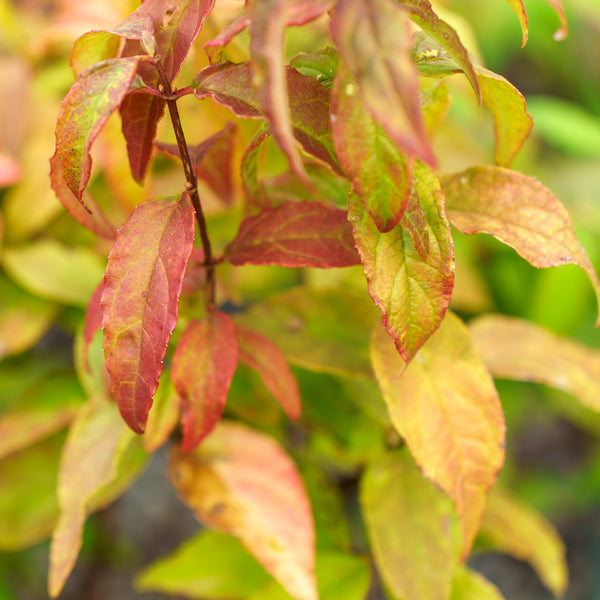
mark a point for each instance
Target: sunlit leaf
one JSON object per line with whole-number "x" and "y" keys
{"x": 520, "y": 212}
{"x": 241, "y": 482}
{"x": 410, "y": 269}
{"x": 470, "y": 585}
{"x": 203, "y": 367}
{"x": 519, "y": 7}
{"x": 445, "y": 406}
{"x": 414, "y": 533}
{"x": 142, "y": 284}
{"x": 513, "y": 348}
{"x": 295, "y": 234}
{"x": 515, "y": 528}
{"x": 260, "y": 353}
{"x": 373, "y": 37}
{"x": 380, "y": 171}
{"x": 163, "y": 416}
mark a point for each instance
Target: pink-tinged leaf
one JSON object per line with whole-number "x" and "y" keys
{"x": 241, "y": 482}
{"x": 380, "y": 172}
{"x": 84, "y": 111}
{"x": 203, "y": 367}
{"x": 92, "y": 321}
{"x": 214, "y": 47}
{"x": 85, "y": 212}
{"x": 512, "y": 122}
{"x": 520, "y": 212}
{"x": 423, "y": 15}
{"x": 513, "y": 348}
{"x": 517, "y": 529}
{"x": 563, "y": 31}
{"x": 142, "y": 284}
{"x": 10, "y": 170}
{"x": 212, "y": 161}
{"x": 519, "y": 8}
{"x": 260, "y": 353}
{"x": 446, "y": 408}
{"x": 413, "y": 530}
{"x": 409, "y": 270}
{"x": 374, "y": 39}
{"x": 88, "y": 463}
{"x": 295, "y": 234}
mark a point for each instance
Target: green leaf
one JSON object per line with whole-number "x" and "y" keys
{"x": 445, "y": 406}
{"x": 409, "y": 270}
{"x": 414, "y": 534}
{"x": 470, "y": 585}
{"x": 322, "y": 65}
{"x": 520, "y": 212}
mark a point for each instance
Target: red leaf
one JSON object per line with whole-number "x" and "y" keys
{"x": 203, "y": 367}
{"x": 142, "y": 284}
{"x": 295, "y": 234}
{"x": 92, "y": 321}
{"x": 410, "y": 269}
{"x": 91, "y": 100}
{"x": 374, "y": 39}
{"x": 214, "y": 47}
{"x": 268, "y": 360}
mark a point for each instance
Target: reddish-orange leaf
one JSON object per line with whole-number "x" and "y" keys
{"x": 375, "y": 41}
{"x": 381, "y": 173}
{"x": 203, "y": 367}
{"x": 295, "y": 234}
{"x": 520, "y": 212}
{"x": 445, "y": 406}
{"x": 242, "y": 482}
{"x": 260, "y": 353}
{"x": 410, "y": 269}
{"x": 97, "y": 92}
{"x": 517, "y": 349}
{"x": 519, "y": 8}
{"x": 140, "y": 300}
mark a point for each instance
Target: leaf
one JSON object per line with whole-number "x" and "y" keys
{"x": 409, "y": 270}
{"x": 260, "y": 353}
{"x": 142, "y": 284}
{"x": 563, "y": 31}
{"x": 203, "y": 367}
{"x": 470, "y": 585}
{"x": 88, "y": 463}
{"x": 92, "y": 320}
{"x": 513, "y": 348}
{"x": 381, "y": 173}
{"x": 373, "y": 37}
{"x": 512, "y": 527}
{"x": 423, "y": 15}
{"x": 512, "y": 122}
{"x": 208, "y": 565}
{"x": 446, "y": 408}
{"x": 295, "y": 234}
{"x": 95, "y": 95}
{"x": 519, "y": 7}
{"x": 414, "y": 534}
{"x": 520, "y": 212}
{"x": 322, "y": 65}
{"x": 177, "y": 25}
{"x": 241, "y": 482}
{"x": 163, "y": 416}
{"x": 311, "y": 327}
{"x": 53, "y": 271}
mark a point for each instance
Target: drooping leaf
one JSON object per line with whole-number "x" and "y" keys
{"x": 513, "y": 348}
{"x": 163, "y": 416}
{"x": 470, "y": 585}
{"x": 89, "y": 462}
{"x": 142, "y": 284}
{"x": 563, "y": 31}
{"x": 92, "y": 320}
{"x": 519, "y": 7}
{"x": 423, "y": 15}
{"x": 214, "y": 47}
{"x": 515, "y": 528}
{"x": 295, "y": 234}
{"x": 260, "y": 353}
{"x": 410, "y": 269}
{"x": 445, "y": 406}
{"x": 373, "y": 37}
{"x": 176, "y": 25}
{"x": 203, "y": 367}
{"x": 95, "y": 95}
{"x": 414, "y": 533}
{"x": 520, "y": 212}
{"x": 241, "y": 482}
{"x": 512, "y": 122}
{"x": 381, "y": 173}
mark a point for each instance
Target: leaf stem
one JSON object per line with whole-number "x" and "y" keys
{"x": 191, "y": 184}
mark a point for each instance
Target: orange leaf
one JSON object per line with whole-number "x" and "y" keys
{"x": 445, "y": 406}
{"x": 241, "y": 482}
